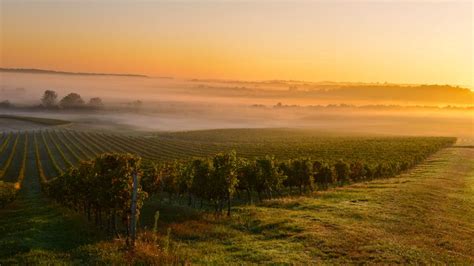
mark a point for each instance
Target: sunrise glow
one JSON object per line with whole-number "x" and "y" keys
{"x": 402, "y": 42}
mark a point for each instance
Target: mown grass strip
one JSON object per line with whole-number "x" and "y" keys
{"x": 68, "y": 148}
{"x": 39, "y": 166}
{"x": 10, "y": 158}
{"x": 21, "y": 174}
{"x": 60, "y": 151}
{"x": 111, "y": 143}
{"x": 102, "y": 146}
{"x": 56, "y": 167}
{"x": 67, "y": 139}
{"x": 6, "y": 142}
{"x": 91, "y": 148}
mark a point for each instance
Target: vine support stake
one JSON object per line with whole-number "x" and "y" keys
{"x": 133, "y": 223}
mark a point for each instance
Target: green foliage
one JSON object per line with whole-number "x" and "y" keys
{"x": 301, "y": 174}
{"x": 247, "y": 175}
{"x": 169, "y": 175}
{"x": 269, "y": 177}
{"x": 185, "y": 180}
{"x": 324, "y": 175}
{"x": 342, "y": 171}
{"x": 209, "y": 179}
{"x": 202, "y": 169}
{"x": 98, "y": 189}
{"x": 224, "y": 179}
{"x": 151, "y": 178}
{"x": 357, "y": 171}
{"x": 102, "y": 187}
{"x": 368, "y": 150}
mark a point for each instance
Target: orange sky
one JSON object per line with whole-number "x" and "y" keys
{"x": 395, "y": 41}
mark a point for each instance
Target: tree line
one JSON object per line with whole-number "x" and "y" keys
{"x": 72, "y": 100}
{"x": 50, "y": 100}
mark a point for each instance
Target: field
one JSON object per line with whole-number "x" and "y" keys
{"x": 59, "y": 149}
{"x": 35, "y": 120}
{"x": 367, "y": 221}
{"x": 18, "y": 123}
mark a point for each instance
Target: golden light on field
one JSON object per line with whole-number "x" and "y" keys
{"x": 404, "y": 42}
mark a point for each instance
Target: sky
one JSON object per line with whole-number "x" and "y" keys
{"x": 348, "y": 41}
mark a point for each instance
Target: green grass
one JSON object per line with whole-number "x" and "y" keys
{"x": 426, "y": 216}
{"x": 33, "y": 230}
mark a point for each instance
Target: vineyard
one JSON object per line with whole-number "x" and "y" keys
{"x": 49, "y": 153}
{"x": 53, "y": 151}
{"x": 197, "y": 170}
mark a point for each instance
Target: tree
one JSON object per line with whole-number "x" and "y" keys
{"x": 72, "y": 100}
{"x": 5, "y": 104}
{"x": 49, "y": 99}
{"x": 95, "y": 103}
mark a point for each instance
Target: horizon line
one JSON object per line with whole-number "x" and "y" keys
{"x": 225, "y": 80}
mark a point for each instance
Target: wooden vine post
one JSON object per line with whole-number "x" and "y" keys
{"x": 133, "y": 223}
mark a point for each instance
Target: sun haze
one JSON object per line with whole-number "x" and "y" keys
{"x": 401, "y": 42}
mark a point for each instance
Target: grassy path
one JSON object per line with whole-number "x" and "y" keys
{"x": 32, "y": 229}
{"x": 426, "y": 216}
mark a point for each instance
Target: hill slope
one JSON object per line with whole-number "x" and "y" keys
{"x": 425, "y": 216}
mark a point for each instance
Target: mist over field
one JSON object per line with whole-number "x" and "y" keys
{"x": 176, "y": 104}
{"x": 28, "y": 88}
{"x": 204, "y": 132}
